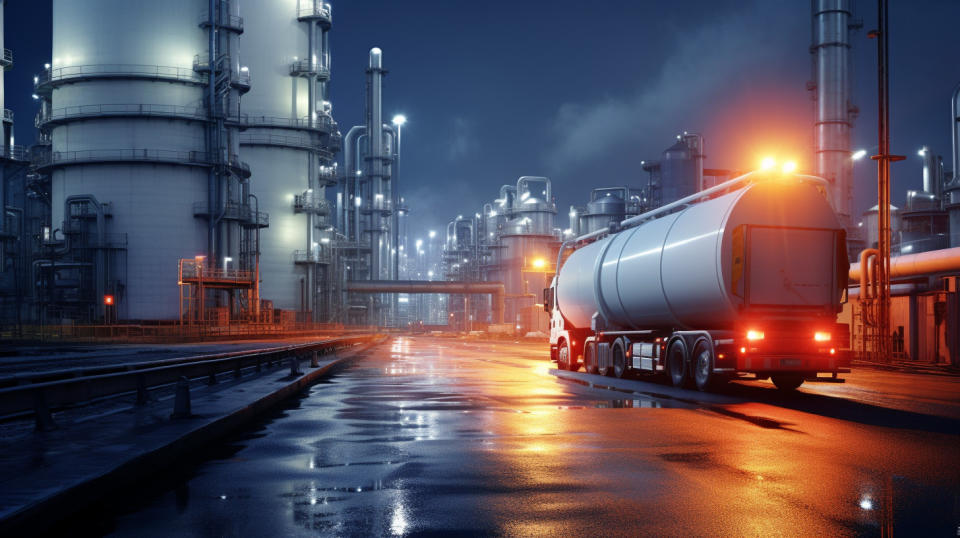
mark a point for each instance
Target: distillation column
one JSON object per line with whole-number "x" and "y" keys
{"x": 834, "y": 112}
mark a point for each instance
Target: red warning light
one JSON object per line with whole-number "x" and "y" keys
{"x": 108, "y": 300}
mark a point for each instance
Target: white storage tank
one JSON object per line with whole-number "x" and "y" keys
{"x": 127, "y": 121}
{"x": 288, "y": 143}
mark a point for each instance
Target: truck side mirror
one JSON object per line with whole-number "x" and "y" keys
{"x": 547, "y": 300}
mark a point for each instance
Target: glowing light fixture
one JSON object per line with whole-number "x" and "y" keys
{"x": 399, "y": 120}
{"x": 859, "y": 154}
{"x": 539, "y": 263}
{"x": 754, "y": 335}
{"x": 821, "y": 336}
{"x": 789, "y": 167}
{"x": 768, "y": 163}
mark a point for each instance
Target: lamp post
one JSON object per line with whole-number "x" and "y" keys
{"x": 398, "y": 121}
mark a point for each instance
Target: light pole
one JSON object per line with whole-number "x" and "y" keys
{"x": 398, "y": 121}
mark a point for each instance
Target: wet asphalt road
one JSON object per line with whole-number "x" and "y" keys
{"x": 439, "y": 436}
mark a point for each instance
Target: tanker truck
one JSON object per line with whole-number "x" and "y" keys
{"x": 746, "y": 277}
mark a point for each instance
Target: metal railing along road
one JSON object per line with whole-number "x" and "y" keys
{"x": 40, "y": 393}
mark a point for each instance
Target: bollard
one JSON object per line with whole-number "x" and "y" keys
{"x": 236, "y": 369}
{"x": 143, "y": 395}
{"x": 44, "y": 419}
{"x": 315, "y": 359}
{"x": 181, "y": 403}
{"x": 212, "y": 378}
{"x": 294, "y": 366}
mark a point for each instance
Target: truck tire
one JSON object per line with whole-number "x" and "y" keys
{"x": 787, "y": 382}
{"x": 677, "y": 363}
{"x": 590, "y": 358}
{"x": 563, "y": 355}
{"x": 702, "y": 364}
{"x": 619, "y": 357}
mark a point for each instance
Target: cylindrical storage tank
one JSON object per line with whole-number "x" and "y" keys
{"x": 287, "y": 143}
{"x": 678, "y": 173}
{"x": 677, "y": 271}
{"x": 127, "y": 121}
{"x": 603, "y": 210}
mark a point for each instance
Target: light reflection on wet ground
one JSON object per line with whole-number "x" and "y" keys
{"x": 442, "y": 436}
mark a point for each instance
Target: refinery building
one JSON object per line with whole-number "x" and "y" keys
{"x": 189, "y": 171}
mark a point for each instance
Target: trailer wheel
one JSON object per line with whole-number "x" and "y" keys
{"x": 590, "y": 358}
{"x": 677, "y": 363}
{"x": 703, "y": 374}
{"x": 563, "y": 355}
{"x": 619, "y": 360}
{"x": 787, "y": 382}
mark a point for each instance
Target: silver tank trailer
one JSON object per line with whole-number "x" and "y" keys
{"x": 675, "y": 271}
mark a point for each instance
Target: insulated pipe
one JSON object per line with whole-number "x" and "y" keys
{"x": 100, "y": 272}
{"x": 495, "y": 289}
{"x": 212, "y": 144}
{"x": 868, "y": 256}
{"x": 350, "y": 169}
{"x": 925, "y": 263}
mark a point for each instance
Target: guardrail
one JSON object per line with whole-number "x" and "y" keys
{"x": 39, "y": 394}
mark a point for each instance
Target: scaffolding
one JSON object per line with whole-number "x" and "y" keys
{"x": 196, "y": 279}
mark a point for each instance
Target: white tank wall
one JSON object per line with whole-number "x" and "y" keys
{"x": 277, "y": 175}
{"x": 674, "y": 272}
{"x": 123, "y": 32}
{"x": 272, "y": 38}
{"x": 151, "y": 203}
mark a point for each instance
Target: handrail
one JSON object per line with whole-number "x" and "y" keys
{"x": 65, "y": 73}
{"x": 142, "y": 109}
{"x": 132, "y": 154}
{"x": 47, "y": 391}
{"x": 322, "y": 121}
{"x": 314, "y": 8}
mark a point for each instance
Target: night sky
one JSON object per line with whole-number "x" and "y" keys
{"x": 582, "y": 91}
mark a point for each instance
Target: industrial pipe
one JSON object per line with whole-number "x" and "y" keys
{"x": 955, "y": 131}
{"x": 925, "y": 263}
{"x": 495, "y": 289}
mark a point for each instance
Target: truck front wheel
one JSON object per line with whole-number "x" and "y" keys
{"x": 787, "y": 382}
{"x": 677, "y": 363}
